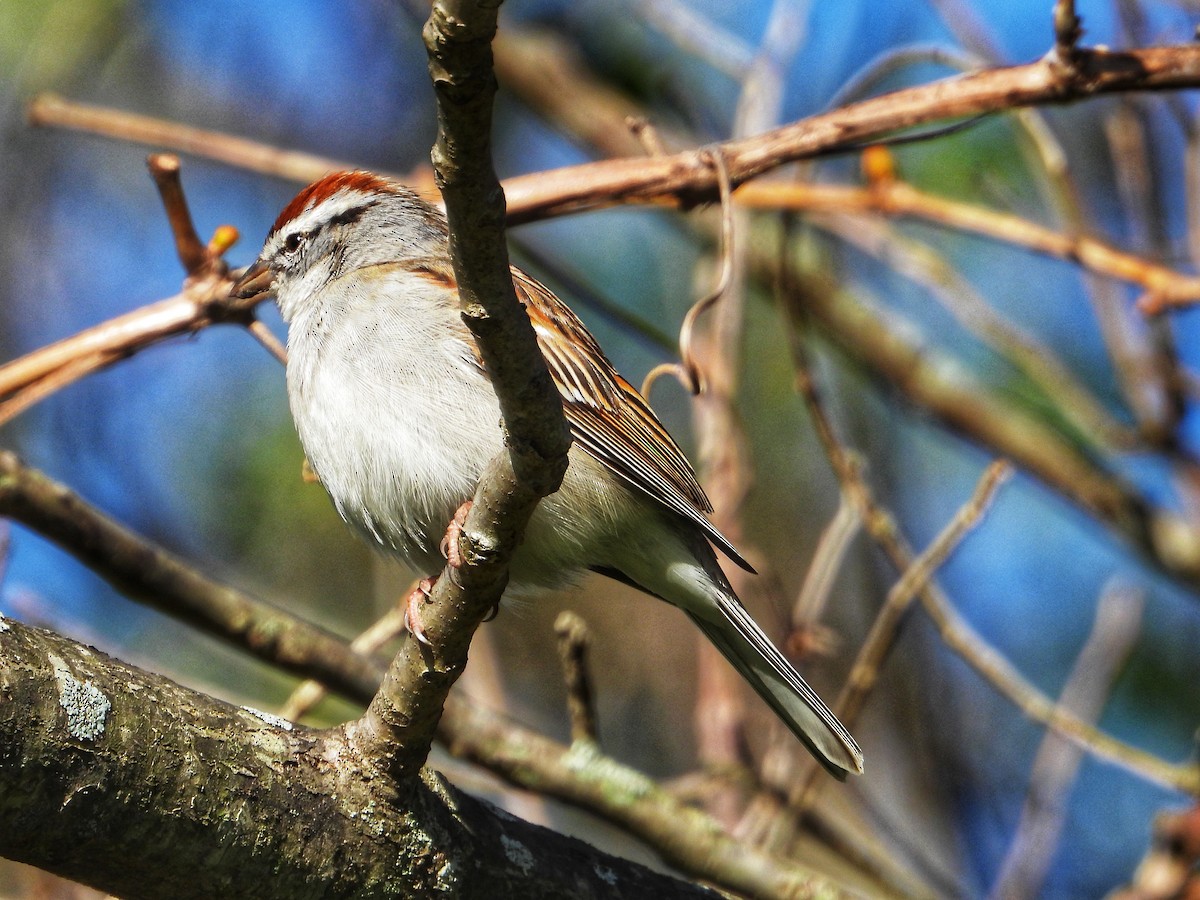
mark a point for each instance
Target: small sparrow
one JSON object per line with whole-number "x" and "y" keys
{"x": 398, "y": 418}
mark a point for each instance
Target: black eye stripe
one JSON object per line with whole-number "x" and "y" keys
{"x": 352, "y": 215}
{"x": 293, "y": 241}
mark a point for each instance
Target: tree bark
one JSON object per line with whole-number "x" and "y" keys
{"x": 128, "y": 782}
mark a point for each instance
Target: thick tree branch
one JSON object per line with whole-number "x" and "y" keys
{"x": 104, "y": 763}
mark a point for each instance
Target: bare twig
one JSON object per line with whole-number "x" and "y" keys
{"x": 967, "y": 643}
{"x": 204, "y": 301}
{"x": 827, "y": 560}
{"x": 682, "y": 177}
{"x": 688, "y": 370}
{"x": 968, "y": 27}
{"x": 573, "y": 641}
{"x": 698, "y": 36}
{"x": 51, "y": 110}
{"x": 647, "y": 135}
{"x": 921, "y": 263}
{"x": 193, "y": 254}
{"x": 1114, "y": 632}
{"x": 895, "y": 197}
{"x": 960, "y": 637}
{"x": 266, "y": 337}
{"x": 915, "y": 579}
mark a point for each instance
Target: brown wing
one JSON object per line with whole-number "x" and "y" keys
{"x": 609, "y": 419}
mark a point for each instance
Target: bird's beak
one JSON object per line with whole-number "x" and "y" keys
{"x": 255, "y": 282}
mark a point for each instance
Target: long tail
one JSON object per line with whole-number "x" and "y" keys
{"x": 757, "y": 660}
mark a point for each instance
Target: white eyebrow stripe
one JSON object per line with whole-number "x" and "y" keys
{"x": 320, "y": 210}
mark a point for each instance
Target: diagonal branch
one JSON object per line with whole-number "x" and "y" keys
{"x": 399, "y": 725}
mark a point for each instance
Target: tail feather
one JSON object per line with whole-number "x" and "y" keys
{"x": 757, "y": 660}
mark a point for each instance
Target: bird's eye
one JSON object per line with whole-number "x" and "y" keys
{"x": 292, "y": 244}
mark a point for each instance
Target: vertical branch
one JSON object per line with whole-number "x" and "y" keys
{"x": 1068, "y": 29}
{"x": 398, "y": 727}
{"x": 573, "y": 641}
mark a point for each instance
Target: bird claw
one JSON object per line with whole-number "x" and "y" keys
{"x": 412, "y": 611}
{"x": 449, "y": 545}
{"x": 421, "y": 593}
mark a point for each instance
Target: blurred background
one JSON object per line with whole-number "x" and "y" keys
{"x": 190, "y": 443}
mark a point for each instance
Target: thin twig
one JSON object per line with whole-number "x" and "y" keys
{"x": 193, "y": 254}
{"x": 896, "y": 197}
{"x": 924, "y": 265}
{"x": 832, "y": 547}
{"x": 266, "y": 337}
{"x": 968, "y": 644}
{"x": 688, "y": 370}
{"x": 52, "y": 110}
{"x": 1159, "y": 396}
{"x": 698, "y": 36}
{"x": 647, "y": 134}
{"x": 203, "y": 302}
{"x": 573, "y": 641}
{"x": 1056, "y": 764}
{"x": 960, "y": 637}
{"x": 915, "y": 578}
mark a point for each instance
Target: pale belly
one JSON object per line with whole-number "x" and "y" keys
{"x": 398, "y": 480}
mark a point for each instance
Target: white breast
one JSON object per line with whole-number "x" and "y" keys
{"x": 395, "y": 422}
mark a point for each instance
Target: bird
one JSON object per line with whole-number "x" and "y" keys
{"x": 396, "y": 413}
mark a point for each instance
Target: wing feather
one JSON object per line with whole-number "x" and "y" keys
{"x": 609, "y": 419}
